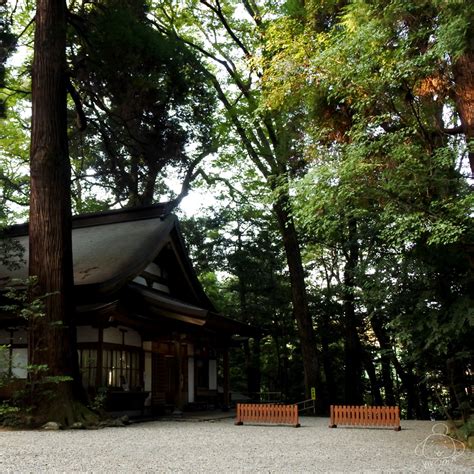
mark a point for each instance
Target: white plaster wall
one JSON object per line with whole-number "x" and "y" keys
{"x": 114, "y": 336}
{"x": 4, "y": 337}
{"x": 154, "y": 269}
{"x": 212, "y": 374}
{"x": 133, "y": 338}
{"x": 140, "y": 280}
{"x": 190, "y": 379}
{"x": 156, "y": 286}
{"x": 148, "y": 372}
{"x": 160, "y": 287}
{"x": 19, "y": 362}
{"x": 20, "y": 336}
{"x": 87, "y": 334}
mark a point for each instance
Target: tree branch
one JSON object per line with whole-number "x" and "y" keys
{"x": 25, "y": 29}
{"x": 252, "y": 9}
{"x": 189, "y": 177}
{"x": 453, "y": 131}
{"x": 213, "y": 179}
{"x": 218, "y": 11}
{"x": 81, "y": 120}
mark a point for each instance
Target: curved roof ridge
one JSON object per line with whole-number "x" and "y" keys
{"x": 109, "y": 216}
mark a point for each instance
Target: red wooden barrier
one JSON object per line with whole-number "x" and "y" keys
{"x": 388, "y": 417}
{"x": 267, "y": 413}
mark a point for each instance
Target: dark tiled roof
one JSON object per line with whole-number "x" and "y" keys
{"x": 108, "y": 248}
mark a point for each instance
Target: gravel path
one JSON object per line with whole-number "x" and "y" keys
{"x": 219, "y": 446}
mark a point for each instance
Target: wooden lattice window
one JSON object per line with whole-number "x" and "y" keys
{"x": 88, "y": 366}
{"x": 121, "y": 368}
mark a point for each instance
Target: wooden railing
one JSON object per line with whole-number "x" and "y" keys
{"x": 267, "y": 413}
{"x": 388, "y": 417}
{"x": 306, "y": 405}
{"x": 265, "y": 397}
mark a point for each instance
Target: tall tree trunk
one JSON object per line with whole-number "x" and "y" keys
{"x": 252, "y": 351}
{"x": 463, "y": 72}
{"x": 352, "y": 348}
{"x": 252, "y": 366}
{"x": 326, "y": 361}
{"x": 409, "y": 386}
{"x": 52, "y": 336}
{"x": 385, "y": 356}
{"x": 387, "y": 380}
{"x": 374, "y": 381}
{"x": 459, "y": 387}
{"x": 312, "y": 377}
{"x": 281, "y": 356}
{"x": 257, "y": 376}
{"x": 423, "y": 397}
{"x": 279, "y": 337}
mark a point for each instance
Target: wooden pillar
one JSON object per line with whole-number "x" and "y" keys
{"x": 10, "y": 353}
{"x": 179, "y": 403}
{"x": 100, "y": 357}
{"x": 226, "y": 381}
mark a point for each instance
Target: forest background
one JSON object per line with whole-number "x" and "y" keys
{"x": 336, "y": 141}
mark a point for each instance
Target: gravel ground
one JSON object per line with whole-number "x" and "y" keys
{"x": 219, "y": 446}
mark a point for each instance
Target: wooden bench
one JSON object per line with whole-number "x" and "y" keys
{"x": 388, "y": 417}
{"x": 267, "y": 413}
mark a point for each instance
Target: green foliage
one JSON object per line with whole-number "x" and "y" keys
{"x": 376, "y": 91}
{"x": 7, "y": 410}
{"x": 20, "y": 302}
{"x": 14, "y": 130}
{"x": 142, "y": 87}
{"x": 14, "y": 151}
{"x": 240, "y": 264}
{"x": 40, "y": 384}
{"x": 7, "y": 46}
{"x": 98, "y": 403}
{"x": 360, "y": 95}
{"x": 465, "y": 431}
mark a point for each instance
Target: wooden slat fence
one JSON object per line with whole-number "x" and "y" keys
{"x": 348, "y": 415}
{"x": 267, "y": 413}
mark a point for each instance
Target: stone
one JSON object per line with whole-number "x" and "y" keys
{"x": 51, "y": 426}
{"x": 125, "y": 419}
{"x": 111, "y": 423}
{"x": 77, "y": 426}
